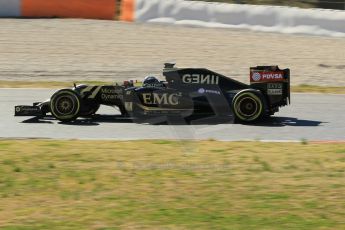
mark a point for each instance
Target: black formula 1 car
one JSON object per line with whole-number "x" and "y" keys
{"x": 185, "y": 92}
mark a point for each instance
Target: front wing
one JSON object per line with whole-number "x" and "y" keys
{"x": 27, "y": 110}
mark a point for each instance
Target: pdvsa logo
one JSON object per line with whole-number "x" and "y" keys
{"x": 256, "y": 76}
{"x": 267, "y": 76}
{"x": 202, "y": 91}
{"x": 273, "y": 76}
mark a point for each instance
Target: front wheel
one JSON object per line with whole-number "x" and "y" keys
{"x": 65, "y": 105}
{"x": 248, "y": 106}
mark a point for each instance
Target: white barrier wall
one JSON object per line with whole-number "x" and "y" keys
{"x": 10, "y": 8}
{"x": 259, "y": 18}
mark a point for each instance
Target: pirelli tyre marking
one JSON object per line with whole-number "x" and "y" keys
{"x": 65, "y": 105}
{"x": 248, "y": 106}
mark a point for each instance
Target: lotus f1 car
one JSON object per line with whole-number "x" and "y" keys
{"x": 185, "y": 92}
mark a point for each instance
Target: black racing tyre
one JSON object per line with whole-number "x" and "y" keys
{"x": 65, "y": 105}
{"x": 248, "y": 106}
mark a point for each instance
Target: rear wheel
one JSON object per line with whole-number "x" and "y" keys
{"x": 65, "y": 105}
{"x": 248, "y": 106}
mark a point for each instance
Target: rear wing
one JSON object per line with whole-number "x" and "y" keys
{"x": 273, "y": 82}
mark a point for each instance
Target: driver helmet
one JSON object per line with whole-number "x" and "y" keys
{"x": 151, "y": 81}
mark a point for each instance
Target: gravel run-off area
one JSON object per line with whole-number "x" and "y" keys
{"x": 77, "y": 50}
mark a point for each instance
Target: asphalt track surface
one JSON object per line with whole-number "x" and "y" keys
{"x": 316, "y": 117}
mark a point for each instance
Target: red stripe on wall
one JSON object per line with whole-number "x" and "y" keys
{"x": 92, "y": 9}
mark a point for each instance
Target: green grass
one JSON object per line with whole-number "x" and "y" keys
{"x": 304, "y": 88}
{"x": 171, "y": 185}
